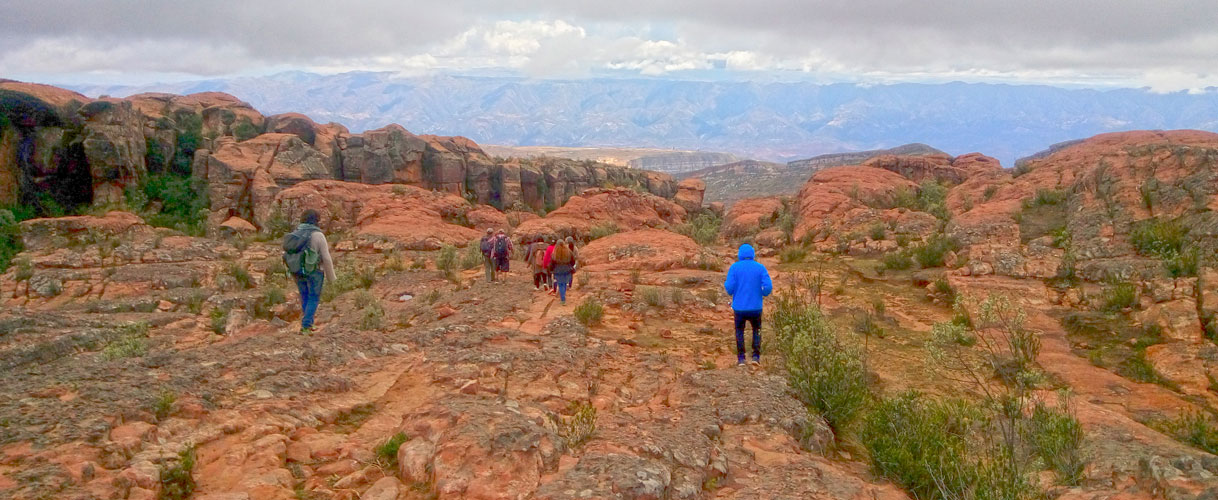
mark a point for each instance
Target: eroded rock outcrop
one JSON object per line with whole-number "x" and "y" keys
{"x": 382, "y": 216}
{"x": 645, "y": 250}
{"x": 622, "y": 208}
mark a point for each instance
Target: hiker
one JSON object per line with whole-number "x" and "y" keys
{"x": 562, "y": 263}
{"x": 307, "y": 256}
{"x": 501, "y": 252}
{"x": 546, "y": 262}
{"x": 748, "y": 283}
{"x": 574, "y": 260}
{"x": 487, "y": 262}
{"x": 536, "y": 259}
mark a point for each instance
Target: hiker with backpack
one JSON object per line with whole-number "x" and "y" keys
{"x": 562, "y": 264}
{"x": 307, "y": 257}
{"x": 487, "y": 262}
{"x": 501, "y": 252}
{"x": 536, "y": 259}
{"x": 748, "y": 283}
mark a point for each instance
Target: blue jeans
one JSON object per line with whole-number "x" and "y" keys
{"x": 754, "y": 319}
{"x": 310, "y": 296}
{"x": 562, "y": 280}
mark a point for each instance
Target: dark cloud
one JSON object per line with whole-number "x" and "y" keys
{"x": 1168, "y": 43}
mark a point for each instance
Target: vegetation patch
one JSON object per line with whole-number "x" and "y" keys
{"x": 703, "y": 229}
{"x": 579, "y": 427}
{"x": 1194, "y": 428}
{"x": 387, "y": 452}
{"x": 177, "y": 480}
{"x": 826, "y": 374}
{"x": 1166, "y": 240}
{"x": 602, "y": 230}
{"x": 589, "y": 312}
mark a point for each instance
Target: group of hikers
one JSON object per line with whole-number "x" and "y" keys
{"x": 552, "y": 261}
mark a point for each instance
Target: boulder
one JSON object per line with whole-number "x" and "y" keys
{"x": 835, "y": 193}
{"x": 114, "y": 146}
{"x": 689, "y": 194}
{"x": 406, "y": 217}
{"x": 244, "y": 178}
{"x": 750, "y": 216}
{"x": 625, "y": 208}
{"x": 644, "y": 250}
{"x": 237, "y": 225}
{"x": 387, "y": 154}
{"x": 326, "y": 138}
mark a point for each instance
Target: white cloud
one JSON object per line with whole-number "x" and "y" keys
{"x": 1166, "y": 44}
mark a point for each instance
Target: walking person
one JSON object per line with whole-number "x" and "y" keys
{"x": 536, "y": 258}
{"x": 548, "y": 264}
{"x": 501, "y": 252}
{"x": 562, "y": 263}
{"x": 487, "y": 262}
{"x": 574, "y": 260}
{"x": 307, "y": 257}
{"x": 748, "y": 283}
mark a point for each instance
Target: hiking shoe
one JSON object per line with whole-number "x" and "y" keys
{"x": 755, "y": 362}
{"x": 740, "y": 362}
{"x": 306, "y": 331}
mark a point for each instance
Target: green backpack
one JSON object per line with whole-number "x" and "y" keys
{"x": 298, "y": 255}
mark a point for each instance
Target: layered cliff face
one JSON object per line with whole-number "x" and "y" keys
{"x": 62, "y": 149}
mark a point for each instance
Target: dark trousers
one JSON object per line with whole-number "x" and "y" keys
{"x": 310, "y": 296}
{"x": 753, "y": 317}
{"x": 540, "y": 279}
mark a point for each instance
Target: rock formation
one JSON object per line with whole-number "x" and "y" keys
{"x": 58, "y": 146}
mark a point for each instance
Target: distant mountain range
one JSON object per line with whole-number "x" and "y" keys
{"x": 754, "y": 179}
{"x": 772, "y": 121}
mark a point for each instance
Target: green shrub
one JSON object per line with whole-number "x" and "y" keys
{"x": 446, "y": 260}
{"x": 952, "y": 333}
{"x": 934, "y": 252}
{"x": 240, "y": 275}
{"x": 177, "y": 481}
{"x": 1120, "y": 295}
{"x": 184, "y": 203}
{"x": 579, "y": 427}
{"x": 897, "y": 261}
{"x": 878, "y": 231}
{"x": 825, "y": 373}
{"x": 373, "y": 317}
{"x": 651, "y": 296}
{"x": 243, "y": 130}
{"x": 944, "y": 289}
{"x": 472, "y": 257}
{"x": 1166, "y": 240}
{"x": 131, "y": 342}
{"x": 1194, "y": 428}
{"x": 10, "y": 238}
{"x": 923, "y": 445}
{"x": 792, "y": 255}
{"x": 1057, "y": 437}
{"x": 265, "y": 303}
{"x": 387, "y": 452}
{"x": 589, "y": 312}
{"x": 989, "y": 193}
{"x": 219, "y": 320}
{"x": 602, "y": 230}
{"x": 704, "y": 229}
{"x": 164, "y": 404}
{"x": 932, "y": 198}
{"x": 1046, "y": 197}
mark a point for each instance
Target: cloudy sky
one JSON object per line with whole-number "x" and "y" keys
{"x": 1166, "y": 45}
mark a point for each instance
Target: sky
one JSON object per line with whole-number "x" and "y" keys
{"x": 1164, "y": 45}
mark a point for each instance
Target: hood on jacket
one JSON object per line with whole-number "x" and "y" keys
{"x": 746, "y": 252}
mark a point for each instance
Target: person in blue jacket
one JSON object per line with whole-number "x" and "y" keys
{"x": 748, "y": 283}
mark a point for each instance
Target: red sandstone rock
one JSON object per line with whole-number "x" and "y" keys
{"x": 647, "y": 250}
{"x": 750, "y": 216}
{"x": 689, "y": 194}
{"x": 625, "y": 208}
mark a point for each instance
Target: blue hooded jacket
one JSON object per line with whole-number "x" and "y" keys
{"x": 747, "y": 282}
